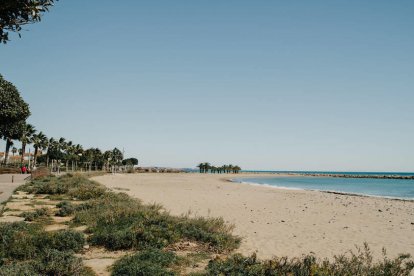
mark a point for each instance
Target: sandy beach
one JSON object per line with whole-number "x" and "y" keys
{"x": 276, "y": 221}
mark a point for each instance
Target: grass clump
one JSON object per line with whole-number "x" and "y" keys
{"x": 66, "y": 240}
{"x": 26, "y": 249}
{"x": 51, "y": 262}
{"x": 55, "y": 262}
{"x": 22, "y": 241}
{"x": 31, "y": 216}
{"x": 20, "y": 269}
{"x": 71, "y": 185}
{"x": 148, "y": 262}
{"x": 65, "y": 209}
{"x": 212, "y": 231}
{"x": 117, "y": 221}
{"x": 355, "y": 264}
{"x": 18, "y": 241}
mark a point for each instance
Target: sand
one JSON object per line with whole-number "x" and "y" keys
{"x": 277, "y": 222}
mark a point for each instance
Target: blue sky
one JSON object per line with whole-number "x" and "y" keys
{"x": 282, "y": 85}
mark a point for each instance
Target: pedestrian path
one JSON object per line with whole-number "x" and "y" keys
{"x": 8, "y": 183}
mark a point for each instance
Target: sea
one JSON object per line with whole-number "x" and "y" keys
{"x": 377, "y": 187}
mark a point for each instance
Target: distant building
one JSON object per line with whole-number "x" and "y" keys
{"x": 17, "y": 158}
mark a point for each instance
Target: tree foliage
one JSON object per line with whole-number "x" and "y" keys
{"x": 13, "y": 113}
{"x": 130, "y": 162}
{"x": 207, "y": 167}
{"x": 16, "y": 13}
{"x": 13, "y": 110}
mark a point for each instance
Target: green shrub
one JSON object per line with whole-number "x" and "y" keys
{"x": 22, "y": 241}
{"x": 117, "y": 221}
{"x": 213, "y": 231}
{"x": 66, "y": 209}
{"x": 31, "y": 216}
{"x": 17, "y": 240}
{"x": 76, "y": 186}
{"x": 19, "y": 269}
{"x": 55, "y": 262}
{"x": 50, "y": 262}
{"x": 149, "y": 262}
{"x": 66, "y": 240}
{"x": 360, "y": 264}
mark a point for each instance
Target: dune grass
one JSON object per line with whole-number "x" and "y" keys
{"x": 34, "y": 215}
{"x": 26, "y": 249}
{"x": 117, "y": 221}
{"x": 147, "y": 262}
{"x": 72, "y": 186}
{"x": 353, "y": 264}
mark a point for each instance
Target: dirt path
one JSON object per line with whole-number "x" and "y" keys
{"x": 7, "y": 186}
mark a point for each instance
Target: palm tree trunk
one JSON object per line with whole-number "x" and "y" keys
{"x": 6, "y": 154}
{"x": 35, "y": 156}
{"x": 23, "y": 151}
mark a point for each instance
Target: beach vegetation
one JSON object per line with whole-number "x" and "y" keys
{"x": 74, "y": 186}
{"x": 158, "y": 242}
{"x": 33, "y": 215}
{"x": 117, "y": 221}
{"x": 65, "y": 209}
{"x": 26, "y": 249}
{"x": 359, "y": 263}
{"x": 23, "y": 241}
{"x": 147, "y": 262}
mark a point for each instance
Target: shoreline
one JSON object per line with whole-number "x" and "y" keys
{"x": 277, "y": 222}
{"x": 341, "y": 175}
{"x": 233, "y": 180}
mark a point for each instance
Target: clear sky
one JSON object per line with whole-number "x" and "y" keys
{"x": 272, "y": 85}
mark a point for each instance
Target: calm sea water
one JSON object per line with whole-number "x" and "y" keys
{"x": 333, "y": 172}
{"x": 393, "y": 188}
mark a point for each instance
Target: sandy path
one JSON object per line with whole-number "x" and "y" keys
{"x": 7, "y": 187}
{"x": 280, "y": 222}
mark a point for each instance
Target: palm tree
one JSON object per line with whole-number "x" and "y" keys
{"x": 39, "y": 142}
{"x": 51, "y": 144}
{"x": 107, "y": 156}
{"x": 14, "y": 150}
{"x": 26, "y": 138}
{"x": 98, "y": 158}
{"x": 236, "y": 169}
{"x": 54, "y": 151}
{"x": 73, "y": 154}
{"x": 117, "y": 157}
{"x": 87, "y": 158}
{"x": 207, "y": 166}
{"x": 201, "y": 167}
{"x": 68, "y": 151}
